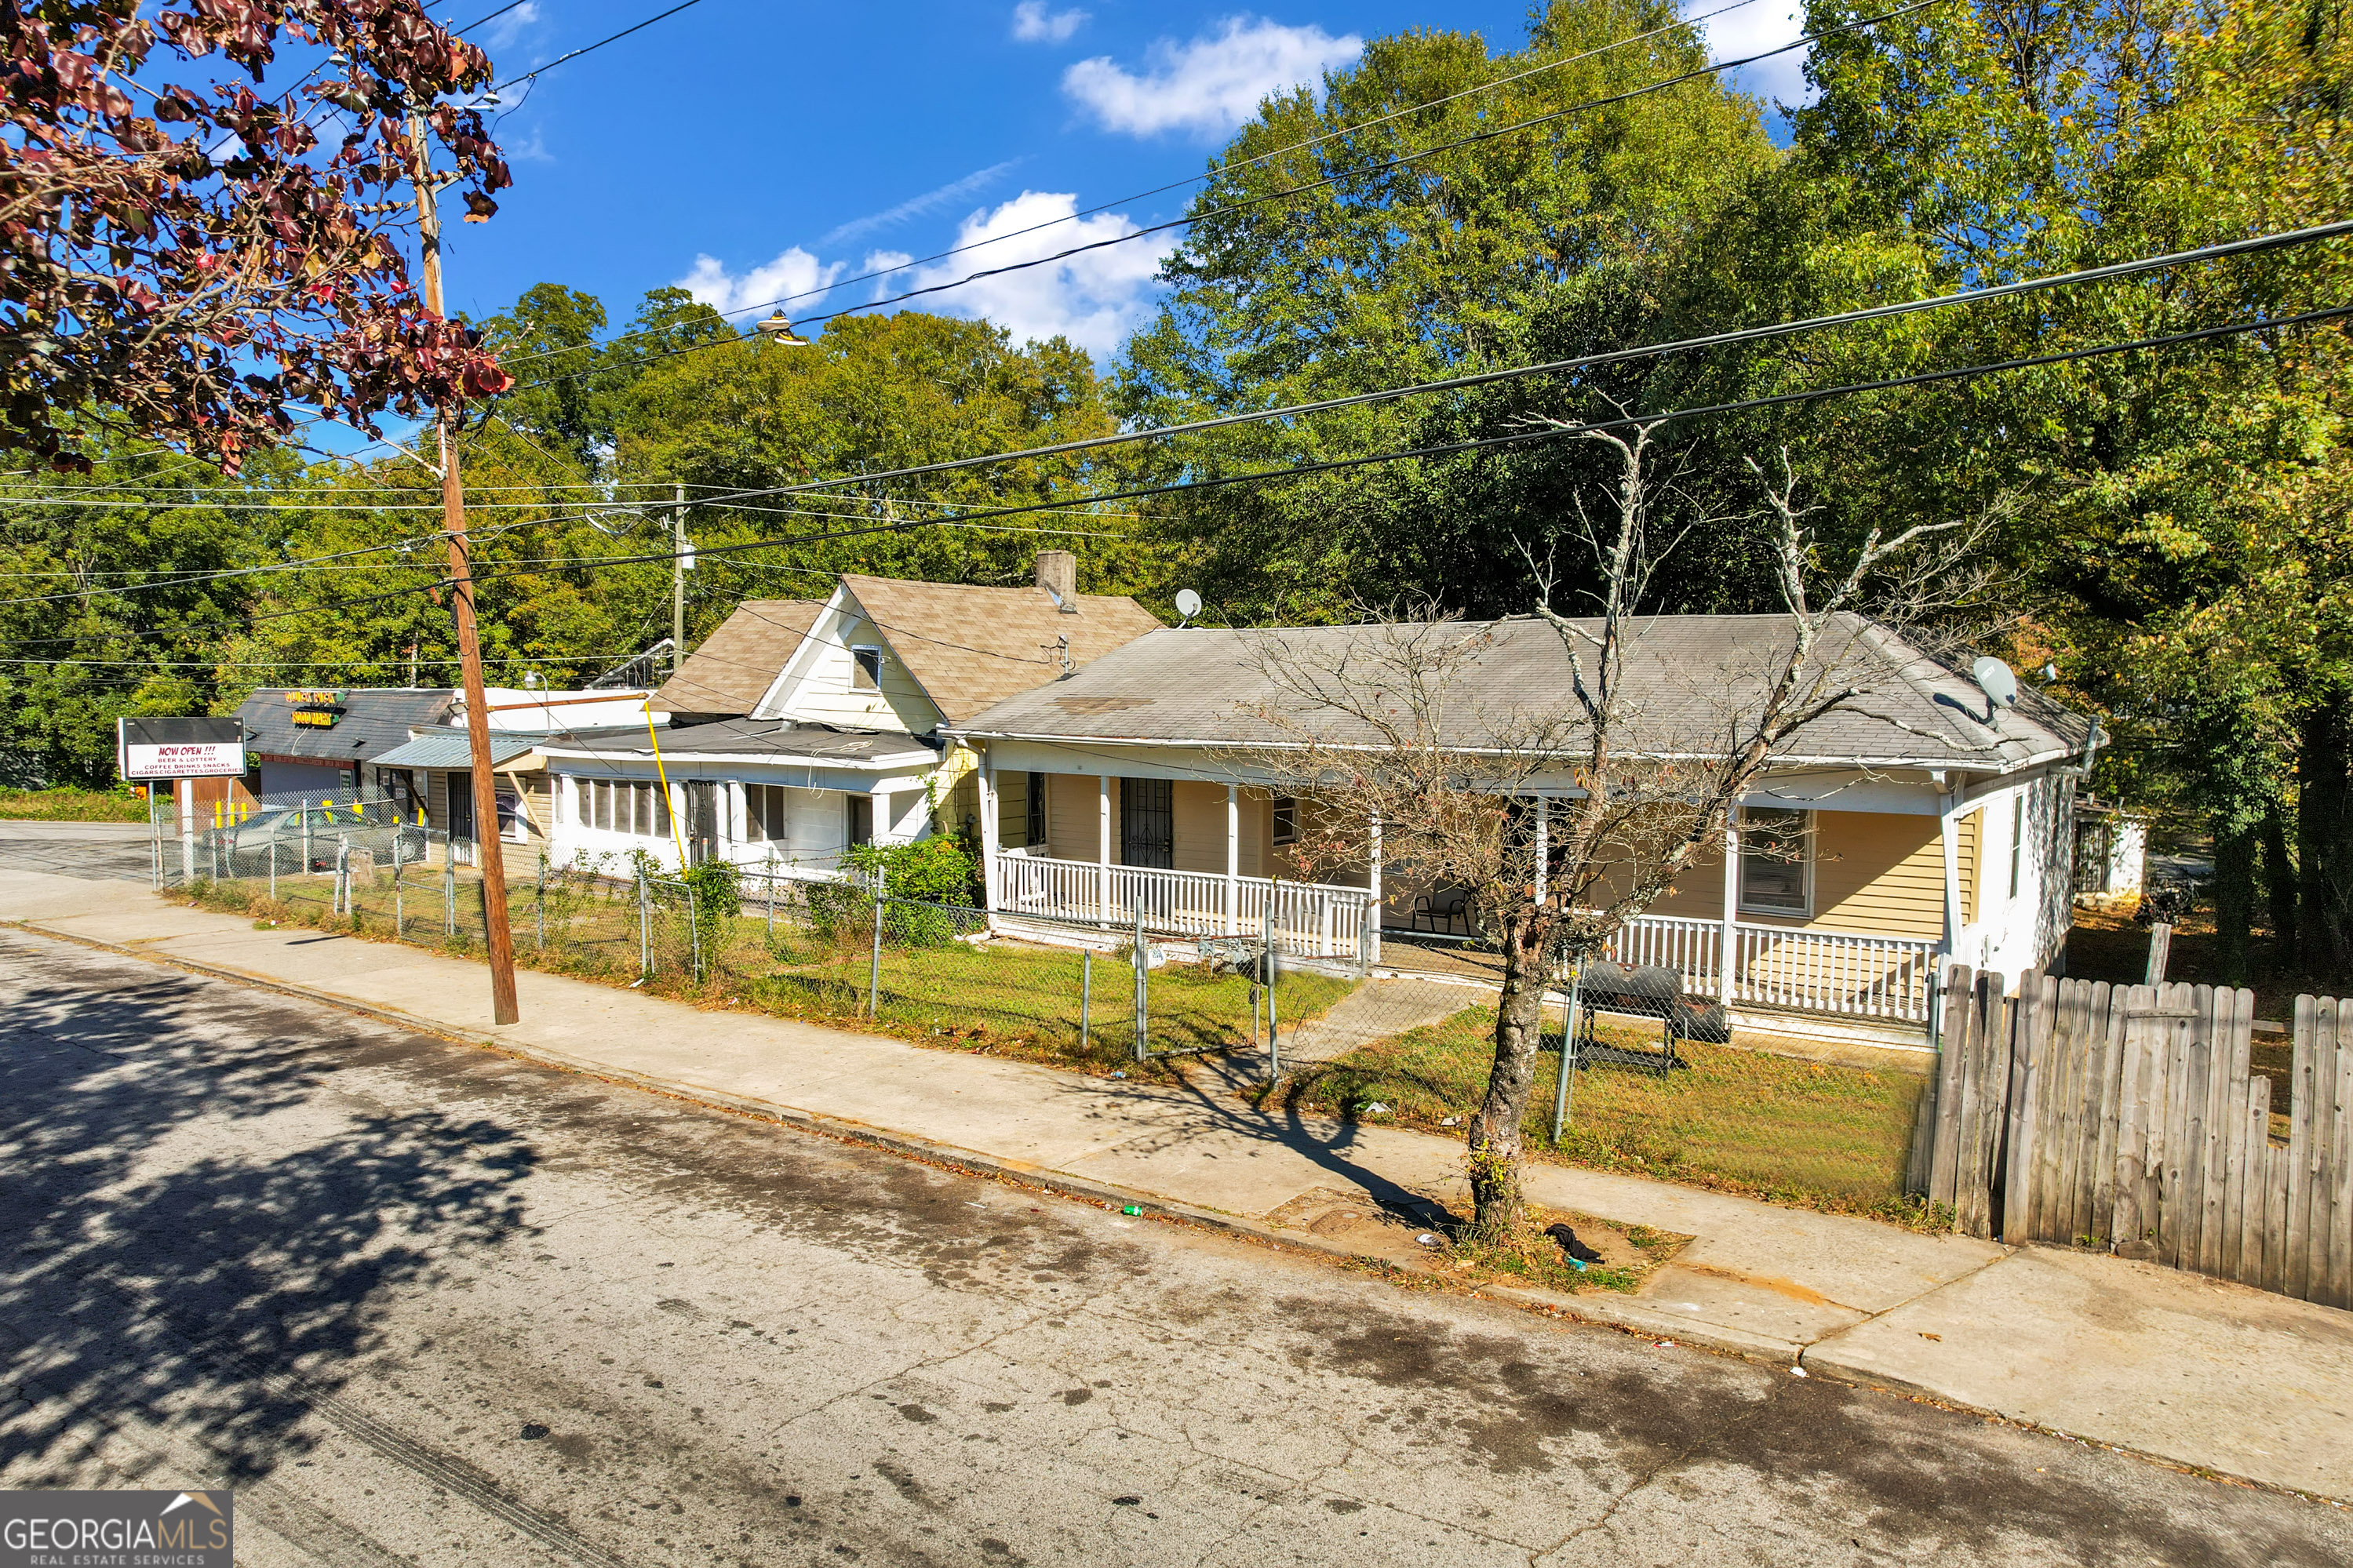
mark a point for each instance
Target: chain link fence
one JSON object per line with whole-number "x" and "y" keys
{"x": 1658, "y": 1085}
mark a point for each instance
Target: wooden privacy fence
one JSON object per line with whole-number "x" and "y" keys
{"x": 2126, "y": 1117}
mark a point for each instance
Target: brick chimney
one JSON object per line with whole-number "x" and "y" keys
{"x": 1058, "y": 573}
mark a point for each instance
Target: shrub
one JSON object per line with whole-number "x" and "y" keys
{"x": 930, "y": 871}
{"x": 718, "y": 889}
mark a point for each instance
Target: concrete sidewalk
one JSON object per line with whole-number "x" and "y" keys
{"x": 2183, "y": 1368}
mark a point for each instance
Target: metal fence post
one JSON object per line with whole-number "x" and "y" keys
{"x": 303, "y": 814}
{"x": 342, "y": 875}
{"x": 1273, "y": 1024}
{"x": 1143, "y": 983}
{"x": 693, "y": 928}
{"x": 448, "y": 892}
{"x": 273, "y": 865}
{"x": 399, "y": 909}
{"x": 1086, "y": 991}
{"x": 540, "y": 908}
{"x": 644, "y": 930}
{"x": 155, "y": 838}
{"x": 772, "y": 895}
{"x": 1568, "y": 1084}
{"x": 874, "y": 964}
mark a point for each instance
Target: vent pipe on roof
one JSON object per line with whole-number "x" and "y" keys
{"x": 1058, "y": 573}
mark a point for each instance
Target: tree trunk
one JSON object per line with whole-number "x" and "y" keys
{"x": 2323, "y": 817}
{"x": 2279, "y": 883}
{"x": 1498, "y": 1137}
{"x": 2235, "y": 896}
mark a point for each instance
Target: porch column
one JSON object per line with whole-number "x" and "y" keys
{"x": 734, "y": 829}
{"x": 1544, "y": 845}
{"x": 1233, "y": 861}
{"x": 1949, "y": 829}
{"x": 1728, "y": 939}
{"x": 877, "y": 813}
{"x": 1102, "y": 845}
{"x": 989, "y": 812}
{"x": 1373, "y": 887}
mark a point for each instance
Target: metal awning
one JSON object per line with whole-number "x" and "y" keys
{"x": 453, "y": 750}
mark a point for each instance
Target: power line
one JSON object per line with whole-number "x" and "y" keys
{"x": 1586, "y": 362}
{"x": 586, "y": 48}
{"x": 1444, "y": 450}
{"x": 1357, "y": 129}
{"x": 1283, "y": 195}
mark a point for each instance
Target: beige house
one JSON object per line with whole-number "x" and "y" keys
{"x": 1928, "y": 822}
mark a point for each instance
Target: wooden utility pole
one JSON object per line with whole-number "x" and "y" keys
{"x": 469, "y": 646}
{"x": 678, "y": 563}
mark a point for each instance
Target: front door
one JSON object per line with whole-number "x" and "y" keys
{"x": 461, "y": 818}
{"x": 1147, "y": 823}
{"x": 701, "y": 820}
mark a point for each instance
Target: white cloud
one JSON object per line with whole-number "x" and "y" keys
{"x": 916, "y": 207}
{"x": 509, "y": 28}
{"x": 1210, "y": 85}
{"x": 880, "y": 264}
{"x": 1095, "y": 300}
{"x": 795, "y": 272}
{"x": 1033, "y": 24}
{"x": 1753, "y": 29}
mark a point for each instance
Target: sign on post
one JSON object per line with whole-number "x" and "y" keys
{"x": 180, "y": 748}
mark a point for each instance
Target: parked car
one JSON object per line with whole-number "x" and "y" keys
{"x": 279, "y": 830}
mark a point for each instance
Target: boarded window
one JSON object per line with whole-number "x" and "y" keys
{"x": 1775, "y": 861}
{"x": 601, "y": 816}
{"x": 868, "y": 676}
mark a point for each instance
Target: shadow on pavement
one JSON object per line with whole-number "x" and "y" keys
{"x": 171, "y": 1260}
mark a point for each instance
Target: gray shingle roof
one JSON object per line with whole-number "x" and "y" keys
{"x": 1688, "y": 675}
{"x": 372, "y": 722}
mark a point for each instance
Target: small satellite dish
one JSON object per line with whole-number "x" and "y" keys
{"x": 1994, "y": 680}
{"x": 1188, "y": 605}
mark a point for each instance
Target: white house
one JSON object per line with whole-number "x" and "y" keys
{"x": 804, "y": 726}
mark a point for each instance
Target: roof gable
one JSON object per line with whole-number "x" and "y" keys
{"x": 968, "y": 646}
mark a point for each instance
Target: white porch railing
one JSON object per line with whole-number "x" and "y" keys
{"x": 1311, "y": 919}
{"x": 1859, "y": 975}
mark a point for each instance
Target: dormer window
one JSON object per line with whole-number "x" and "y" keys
{"x": 868, "y": 674}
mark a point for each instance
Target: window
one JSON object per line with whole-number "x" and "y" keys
{"x": 600, "y": 794}
{"x": 513, "y": 827}
{"x": 639, "y": 807}
{"x": 861, "y": 818}
{"x": 2017, "y": 842}
{"x": 1033, "y": 812}
{"x": 868, "y": 676}
{"x": 1286, "y": 819}
{"x": 1776, "y": 861}
{"x": 764, "y": 814}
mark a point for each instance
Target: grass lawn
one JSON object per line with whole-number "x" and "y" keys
{"x": 70, "y": 806}
{"x": 998, "y": 998}
{"x": 1797, "y": 1131}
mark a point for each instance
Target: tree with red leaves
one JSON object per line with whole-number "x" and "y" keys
{"x": 192, "y": 261}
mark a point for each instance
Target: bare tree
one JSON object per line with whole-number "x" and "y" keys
{"x": 1425, "y": 727}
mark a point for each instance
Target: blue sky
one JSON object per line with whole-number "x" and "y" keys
{"x": 751, "y": 150}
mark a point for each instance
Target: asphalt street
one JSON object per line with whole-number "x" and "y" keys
{"x": 106, "y": 849}
{"x": 419, "y": 1303}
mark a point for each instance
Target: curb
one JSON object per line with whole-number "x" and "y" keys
{"x": 1603, "y": 1309}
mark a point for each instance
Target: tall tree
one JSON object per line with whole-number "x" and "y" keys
{"x": 194, "y": 261}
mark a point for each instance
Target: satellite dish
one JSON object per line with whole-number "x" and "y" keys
{"x": 1994, "y": 680}
{"x": 1188, "y": 605}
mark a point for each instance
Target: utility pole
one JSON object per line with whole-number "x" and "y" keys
{"x": 470, "y": 647}
{"x": 679, "y": 560}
